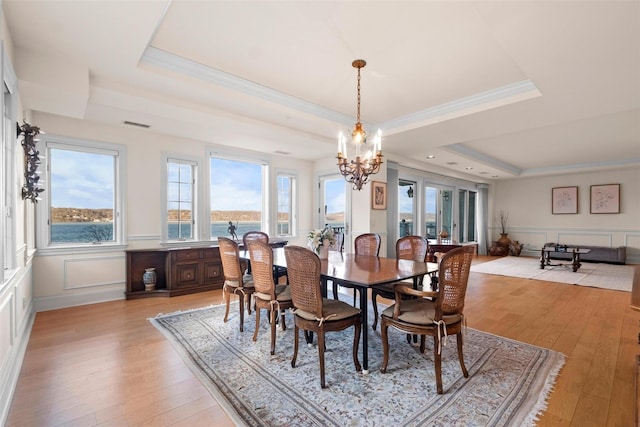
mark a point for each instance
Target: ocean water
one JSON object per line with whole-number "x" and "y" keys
{"x": 84, "y": 232}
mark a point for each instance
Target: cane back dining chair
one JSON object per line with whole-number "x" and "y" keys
{"x": 312, "y": 312}
{"x": 412, "y": 248}
{"x": 438, "y": 318}
{"x": 367, "y": 244}
{"x": 274, "y": 298}
{"x": 235, "y": 281}
{"x": 263, "y": 237}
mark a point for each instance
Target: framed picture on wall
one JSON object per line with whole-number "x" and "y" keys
{"x": 605, "y": 198}
{"x": 378, "y": 195}
{"x": 564, "y": 200}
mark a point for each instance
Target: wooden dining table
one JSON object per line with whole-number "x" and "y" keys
{"x": 361, "y": 272}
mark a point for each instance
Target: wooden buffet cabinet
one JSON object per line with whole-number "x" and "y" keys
{"x": 180, "y": 271}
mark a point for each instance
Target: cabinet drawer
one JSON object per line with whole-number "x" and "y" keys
{"x": 186, "y": 254}
{"x": 187, "y": 274}
{"x": 211, "y": 253}
{"x": 212, "y": 272}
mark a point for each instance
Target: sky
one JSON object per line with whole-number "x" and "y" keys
{"x": 81, "y": 180}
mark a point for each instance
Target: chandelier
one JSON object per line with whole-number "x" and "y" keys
{"x": 357, "y": 170}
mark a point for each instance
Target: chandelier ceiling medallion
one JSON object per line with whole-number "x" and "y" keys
{"x": 358, "y": 169}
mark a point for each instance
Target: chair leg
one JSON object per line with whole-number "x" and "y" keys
{"x": 273, "y": 314}
{"x": 321, "y": 357}
{"x": 422, "y": 343}
{"x": 241, "y": 306}
{"x": 255, "y": 333}
{"x": 460, "y": 355}
{"x": 385, "y": 345}
{"x": 356, "y": 342}
{"x": 437, "y": 357}
{"x": 284, "y": 325}
{"x": 248, "y": 304}
{"x": 227, "y": 301}
{"x": 374, "y": 300}
{"x": 295, "y": 346}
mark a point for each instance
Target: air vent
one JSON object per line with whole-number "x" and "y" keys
{"x": 284, "y": 153}
{"x": 140, "y": 125}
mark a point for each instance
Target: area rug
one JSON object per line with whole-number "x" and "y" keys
{"x": 508, "y": 385}
{"x": 599, "y": 275}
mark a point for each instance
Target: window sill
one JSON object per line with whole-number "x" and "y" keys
{"x": 78, "y": 250}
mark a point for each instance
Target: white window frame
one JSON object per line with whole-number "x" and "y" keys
{"x": 196, "y": 170}
{"x": 293, "y": 202}
{"x": 9, "y": 156}
{"x": 237, "y": 156}
{"x": 43, "y": 209}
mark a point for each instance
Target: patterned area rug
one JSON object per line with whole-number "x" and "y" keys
{"x": 508, "y": 384}
{"x": 607, "y": 276}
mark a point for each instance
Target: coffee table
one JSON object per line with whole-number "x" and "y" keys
{"x": 575, "y": 252}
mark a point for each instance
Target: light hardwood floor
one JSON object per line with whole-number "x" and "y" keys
{"x": 105, "y": 364}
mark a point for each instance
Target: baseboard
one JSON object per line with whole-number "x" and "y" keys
{"x": 14, "y": 366}
{"x": 65, "y": 301}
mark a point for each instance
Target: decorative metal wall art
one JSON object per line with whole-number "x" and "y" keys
{"x": 30, "y": 189}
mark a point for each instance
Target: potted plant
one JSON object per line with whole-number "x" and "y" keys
{"x": 503, "y": 218}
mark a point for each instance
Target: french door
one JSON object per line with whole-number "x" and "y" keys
{"x": 334, "y": 208}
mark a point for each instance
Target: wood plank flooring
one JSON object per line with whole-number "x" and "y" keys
{"x": 105, "y": 364}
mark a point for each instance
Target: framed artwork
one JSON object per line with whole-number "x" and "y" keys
{"x": 378, "y": 195}
{"x": 605, "y": 198}
{"x": 564, "y": 200}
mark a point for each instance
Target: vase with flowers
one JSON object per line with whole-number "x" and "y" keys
{"x": 320, "y": 240}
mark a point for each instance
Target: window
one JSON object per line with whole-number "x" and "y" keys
{"x": 83, "y": 194}
{"x": 286, "y": 204}
{"x": 237, "y": 196}
{"x": 10, "y": 157}
{"x": 467, "y": 215}
{"x": 180, "y": 199}
{"x": 406, "y": 207}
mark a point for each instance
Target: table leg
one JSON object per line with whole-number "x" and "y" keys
{"x": 365, "y": 322}
{"x": 575, "y": 263}
{"x": 542, "y": 259}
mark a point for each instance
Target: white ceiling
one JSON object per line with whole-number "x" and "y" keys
{"x": 508, "y": 89}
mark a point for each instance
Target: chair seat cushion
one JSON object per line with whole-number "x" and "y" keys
{"x": 419, "y": 312}
{"x": 332, "y": 310}
{"x": 247, "y": 280}
{"x": 283, "y": 293}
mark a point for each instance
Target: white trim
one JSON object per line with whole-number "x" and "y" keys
{"x": 67, "y": 262}
{"x": 119, "y": 152}
{"x": 183, "y": 66}
{"x": 65, "y": 301}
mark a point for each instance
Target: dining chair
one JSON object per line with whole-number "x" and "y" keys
{"x": 235, "y": 281}
{"x": 440, "y": 317}
{"x": 274, "y": 298}
{"x": 263, "y": 237}
{"x": 367, "y": 244}
{"x": 412, "y": 248}
{"x": 254, "y": 235}
{"x": 338, "y": 244}
{"x": 312, "y": 312}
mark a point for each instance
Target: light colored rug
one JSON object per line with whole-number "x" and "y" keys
{"x": 508, "y": 385}
{"x": 607, "y": 276}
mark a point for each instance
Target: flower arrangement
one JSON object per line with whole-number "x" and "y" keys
{"x": 320, "y": 238}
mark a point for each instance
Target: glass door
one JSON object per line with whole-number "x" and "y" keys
{"x": 407, "y": 197}
{"x": 438, "y": 213}
{"x": 333, "y": 204}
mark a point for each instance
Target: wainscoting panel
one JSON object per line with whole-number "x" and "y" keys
{"x": 587, "y": 239}
{"x": 6, "y": 329}
{"x": 88, "y": 272}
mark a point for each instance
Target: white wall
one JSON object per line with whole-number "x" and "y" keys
{"x": 62, "y": 280}
{"x": 528, "y": 202}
